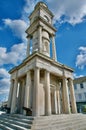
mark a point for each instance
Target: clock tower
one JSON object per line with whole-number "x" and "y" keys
{"x": 40, "y": 85}
{"x": 40, "y": 33}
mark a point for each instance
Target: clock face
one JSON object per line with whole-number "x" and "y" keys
{"x": 46, "y": 18}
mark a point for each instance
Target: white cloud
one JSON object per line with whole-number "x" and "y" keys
{"x": 18, "y": 27}
{"x": 15, "y": 56}
{"x": 4, "y": 84}
{"x": 4, "y": 73}
{"x": 29, "y": 6}
{"x": 81, "y": 58}
{"x": 77, "y": 76}
{"x": 73, "y": 11}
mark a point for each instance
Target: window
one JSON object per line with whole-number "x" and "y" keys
{"x": 46, "y": 47}
{"x": 75, "y": 87}
{"x": 81, "y": 86}
{"x": 85, "y": 94}
{"x": 80, "y": 96}
{"x": 46, "y": 18}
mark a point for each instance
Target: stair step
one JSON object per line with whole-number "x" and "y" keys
{"x": 44, "y": 120}
{"x": 16, "y": 122}
{"x": 13, "y": 126}
{"x": 22, "y": 116}
{"x": 54, "y": 122}
{"x": 16, "y": 119}
{"x": 4, "y": 127}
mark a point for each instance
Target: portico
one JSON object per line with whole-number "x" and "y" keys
{"x": 42, "y": 88}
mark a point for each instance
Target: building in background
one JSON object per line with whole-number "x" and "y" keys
{"x": 80, "y": 93}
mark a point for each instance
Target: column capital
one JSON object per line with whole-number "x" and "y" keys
{"x": 52, "y": 34}
{"x": 47, "y": 71}
{"x": 39, "y": 26}
{"x": 64, "y": 77}
{"x": 29, "y": 71}
{"x": 36, "y": 67}
{"x": 29, "y": 36}
{"x": 70, "y": 81}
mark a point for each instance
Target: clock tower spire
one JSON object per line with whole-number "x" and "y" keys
{"x": 40, "y": 33}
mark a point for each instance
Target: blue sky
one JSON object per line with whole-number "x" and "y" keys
{"x": 70, "y": 22}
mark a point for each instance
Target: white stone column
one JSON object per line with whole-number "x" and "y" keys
{"x": 72, "y": 96}
{"x": 66, "y": 96}
{"x": 47, "y": 94}
{"x": 53, "y": 48}
{"x": 35, "y": 107}
{"x": 14, "y": 98}
{"x": 27, "y": 88}
{"x": 28, "y": 47}
{"x": 54, "y": 102}
{"x": 22, "y": 96}
{"x": 10, "y": 93}
{"x": 58, "y": 99}
{"x": 40, "y": 38}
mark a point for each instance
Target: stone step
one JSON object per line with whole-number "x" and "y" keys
{"x": 58, "y": 121}
{"x": 54, "y": 122}
{"x": 64, "y": 127}
{"x": 17, "y": 119}
{"x": 4, "y": 127}
{"x": 13, "y": 126}
{"x": 22, "y": 116}
{"x": 57, "y": 117}
{"x": 15, "y": 122}
{"x": 62, "y": 124}
{"x": 26, "y": 125}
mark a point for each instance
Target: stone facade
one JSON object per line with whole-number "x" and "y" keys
{"x": 40, "y": 85}
{"x": 80, "y": 93}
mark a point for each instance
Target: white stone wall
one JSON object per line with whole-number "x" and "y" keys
{"x": 43, "y": 14}
{"x": 80, "y": 92}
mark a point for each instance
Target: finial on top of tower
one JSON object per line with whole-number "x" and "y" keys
{"x": 41, "y": 4}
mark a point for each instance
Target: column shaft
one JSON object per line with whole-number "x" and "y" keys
{"x": 27, "y": 87}
{"x": 22, "y": 96}
{"x": 47, "y": 94}
{"x": 72, "y": 96}
{"x": 54, "y": 102}
{"x": 58, "y": 98}
{"x": 14, "y": 98}
{"x": 10, "y": 94}
{"x": 40, "y": 38}
{"x": 66, "y": 96}
{"x": 54, "y": 49}
{"x": 19, "y": 103}
{"x": 28, "y": 47}
{"x": 35, "y": 107}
